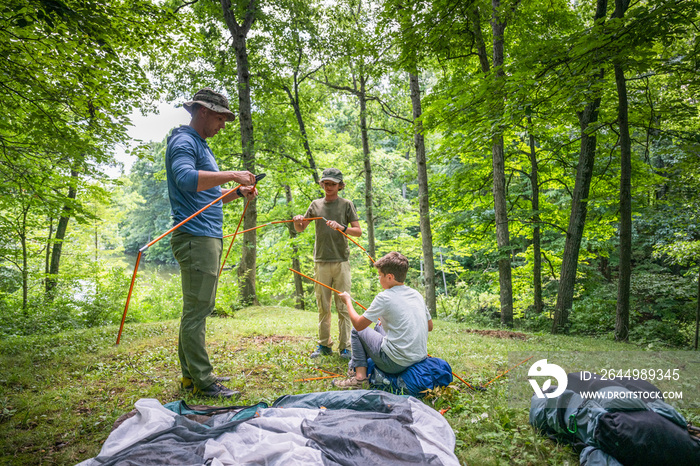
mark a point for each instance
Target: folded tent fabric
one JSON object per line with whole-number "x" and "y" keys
{"x": 359, "y": 427}
{"x": 616, "y": 429}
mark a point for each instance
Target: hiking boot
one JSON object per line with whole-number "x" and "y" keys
{"x": 345, "y": 354}
{"x": 350, "y": 384}
{"x": 321, "y": 351}
{"x": 216, "y": 390}
{"x": 187, "y": 384}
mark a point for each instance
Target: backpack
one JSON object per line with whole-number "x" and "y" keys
{"x": 421, "y": 376}
{"x": 614, "y": 430}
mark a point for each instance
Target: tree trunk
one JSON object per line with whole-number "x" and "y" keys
{"x": 423, "y": 197}
{"x": 499, "y": 178}
{"x": 579, "y": 205}
{"x": 622, "y": 320}
{"x": 371, "y": 249}
{"x": 25, "y": 260}
{"x": 61, "y": 229}
{"x": 239, "y": 33}
{"x": 47, "y": 257}
{"x": 577, "y": 220}
{"x": 536, "y": 241}
{"x": 296, "y": 263}
{"x": 502, "y": 235}
{"x": 697, "y": 315}
{"x": 294, "y": 100}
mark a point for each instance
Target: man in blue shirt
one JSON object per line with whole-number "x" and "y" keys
{"x": 194, "y": 181}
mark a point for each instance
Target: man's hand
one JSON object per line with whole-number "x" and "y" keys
{"x": 243, "y": 177}
{"x": 249, "y": 192}
{"x": 208, "y": 180}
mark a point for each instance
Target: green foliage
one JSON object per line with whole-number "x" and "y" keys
{"x": 73, "y": 74}
{"x": 149, "y": 216}
{"x": 76, "y": 69}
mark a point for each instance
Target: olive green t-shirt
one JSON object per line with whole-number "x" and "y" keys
{"x": 331, "y": 246}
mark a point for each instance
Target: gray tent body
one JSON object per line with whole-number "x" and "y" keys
{"x": 359, "y": 427}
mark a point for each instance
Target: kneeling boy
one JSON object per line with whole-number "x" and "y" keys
{"x": 401, "y": 338}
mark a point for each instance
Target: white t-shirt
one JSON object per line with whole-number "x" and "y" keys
{"x": 405, "y": 319}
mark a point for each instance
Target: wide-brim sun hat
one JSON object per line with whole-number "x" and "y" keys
{"x": 212, "y": 100}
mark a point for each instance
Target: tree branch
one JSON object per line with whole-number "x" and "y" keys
{"x": 185, "y": 4}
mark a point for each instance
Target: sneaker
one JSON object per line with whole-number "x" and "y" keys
{"x": 216, "y": 390}
{"x": 345, "y": 354}
{"x": 350, "y": 384}
{"x": 187, "y": 384}
{"x": 321, "y": 351}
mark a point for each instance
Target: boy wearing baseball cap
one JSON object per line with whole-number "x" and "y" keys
{"x": 331, "y": 255}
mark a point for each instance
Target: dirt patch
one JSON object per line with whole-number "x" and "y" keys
{"x": 260, "y": 340}
{"x": 506, "y": 334}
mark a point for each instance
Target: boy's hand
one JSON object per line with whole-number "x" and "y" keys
{"x": 334, "y": 225}
{"x": 345, "y": 296}
{"x": 300, "y": 223}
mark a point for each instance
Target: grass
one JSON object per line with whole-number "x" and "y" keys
{"x": 60, "y": 394}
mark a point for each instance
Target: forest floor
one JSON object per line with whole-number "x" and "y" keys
{"x": 60, "y": 394}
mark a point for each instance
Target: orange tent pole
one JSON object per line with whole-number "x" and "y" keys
{"x": 138, "y": 258}
{"x": 464, "y": 381}
{"x": 332, "y": 289}
{"x": 270, "y": 223}
{"x": 187, "y": 219}
{"x": 460, "y": 378}
{"x": 128, "y": 297}
{"x": 234, "y": 238}
{"x": 508, "y": 370}
{"x": 257, "y": 178}
{"x": 358, "y": 244}
{"x": 332, "y": 376}
{"x": 318, "y": 378}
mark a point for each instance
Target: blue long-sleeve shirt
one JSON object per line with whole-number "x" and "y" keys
{"x": 186, "y": 154}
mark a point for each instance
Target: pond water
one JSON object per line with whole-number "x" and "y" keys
{"x": 164, "y": 271}
{"x": 85, "y": 287}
